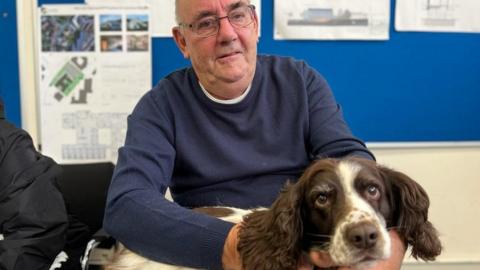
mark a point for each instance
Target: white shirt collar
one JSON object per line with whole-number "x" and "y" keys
{"x": 226, "y": 101}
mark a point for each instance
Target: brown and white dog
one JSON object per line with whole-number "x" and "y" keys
{"x": 343, "y": 206}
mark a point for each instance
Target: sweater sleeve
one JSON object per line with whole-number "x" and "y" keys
{"x": 329, "y": 135}
{"x": 137, "y": 213}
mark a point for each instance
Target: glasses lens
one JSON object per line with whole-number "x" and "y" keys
{"x": 241, "y": 16}
{"x": 206, "y": 26}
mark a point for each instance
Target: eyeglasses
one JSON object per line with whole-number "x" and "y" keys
{"x": 239, "y": 17}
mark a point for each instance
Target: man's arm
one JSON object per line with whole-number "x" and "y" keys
{"x": 329, "y": 134}
{"x": 137, "y": 213}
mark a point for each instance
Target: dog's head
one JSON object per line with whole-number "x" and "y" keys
{"x": 343, "y": 206}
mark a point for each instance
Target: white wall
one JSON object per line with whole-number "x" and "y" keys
{"x": 451, "y": 177}
{"x": 26, "y": 60}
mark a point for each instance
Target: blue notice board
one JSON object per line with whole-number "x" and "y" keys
{"x": 9, "y": 81}
{"x": 413, "y": 87}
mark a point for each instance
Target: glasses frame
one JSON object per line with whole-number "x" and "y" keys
{"x": 191, "y": 25}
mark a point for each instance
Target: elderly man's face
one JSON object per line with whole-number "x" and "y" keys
{"x": 226, "y": 57}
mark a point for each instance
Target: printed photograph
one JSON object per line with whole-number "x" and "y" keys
{"x": 110, "y": 22}
{"x": 68, "y": 33}
{"x": 137, "y": 43}
{"x": 111, "y": 43}
{"x": 137, "y": 22}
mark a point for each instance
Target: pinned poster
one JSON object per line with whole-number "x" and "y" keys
{"x": 332, "y": 20}
{"x": 162, "y": 11}
{"x": 438, "y": 15}
{"x": 94, "y": 65}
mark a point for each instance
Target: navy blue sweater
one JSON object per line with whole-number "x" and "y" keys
{"x": 209, "y": 153}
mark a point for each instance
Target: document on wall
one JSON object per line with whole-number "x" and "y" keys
{"x": 438, "y": 15}
{"x": 162, "y": 11}
{"x": 94, "y": 64}
{"x": 332, "y": 20}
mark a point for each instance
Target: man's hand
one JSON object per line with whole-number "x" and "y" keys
{"x": 315, "y": 258}
{"x": 394, "y": 262}
{"x": 231, "y": 258}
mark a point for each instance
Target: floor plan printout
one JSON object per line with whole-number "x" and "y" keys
{"x": 94, "y": 65}
{"x": 332, "y": 20}
{"x": 162, "y": 12}
{"x": 438, "y": 15}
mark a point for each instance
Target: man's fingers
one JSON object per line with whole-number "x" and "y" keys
{"x": 321, "y": 259}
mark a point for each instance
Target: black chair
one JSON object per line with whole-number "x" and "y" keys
{"x": 84, "y": 188}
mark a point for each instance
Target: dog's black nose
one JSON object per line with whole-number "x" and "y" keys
{"x": 362, "y": 235}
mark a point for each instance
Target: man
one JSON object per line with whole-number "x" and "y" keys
{"x": 33, "y": 219}
{"x": 229, "y": 131}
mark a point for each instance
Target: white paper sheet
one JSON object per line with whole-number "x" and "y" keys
{"x": 162, "y": 11}
{"x": 438, "y": 15}
{"x": 332, "y": 20}
{"x": 94, "y": 65}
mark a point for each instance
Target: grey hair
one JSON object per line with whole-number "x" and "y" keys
{"x": 177, "y": 16}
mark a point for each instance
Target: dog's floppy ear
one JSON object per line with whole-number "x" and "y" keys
{"x": 410, "y": 205}
{"x": 271, "y": 239}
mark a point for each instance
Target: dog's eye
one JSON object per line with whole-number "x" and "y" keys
{"x": 373, "y": 192}
{"x": 322, "y": 199}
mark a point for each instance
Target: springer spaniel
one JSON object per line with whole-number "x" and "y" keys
{"x": 343, "y": 206}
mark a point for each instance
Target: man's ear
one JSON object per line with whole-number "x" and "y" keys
{"x": 180, "y": 41}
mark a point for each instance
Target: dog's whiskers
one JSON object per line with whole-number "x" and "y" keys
{"x": 318, "y": 235}
{"x": 319, "y": 246}
{"x": 317, "y": 241}
{"x": 393, "y": 228}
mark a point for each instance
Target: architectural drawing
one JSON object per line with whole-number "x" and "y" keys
{"x": 439, "y": 12}
{"x": 84, "y": 95}
{"x": 437, "y": 15}
{"x": 330, "y": 17}
{"x": 332, "y": 20}
{"x": 97, "y": 135}
{"x": 71, "y": 75}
